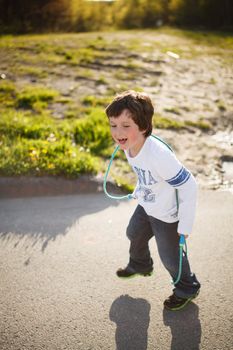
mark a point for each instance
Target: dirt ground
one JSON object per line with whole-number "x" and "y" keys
{"x": 188, "y": 86}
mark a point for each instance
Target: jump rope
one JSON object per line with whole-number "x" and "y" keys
{"x": 182, "y": 241}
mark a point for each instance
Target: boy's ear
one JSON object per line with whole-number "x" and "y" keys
{"x": 144, "y": 131}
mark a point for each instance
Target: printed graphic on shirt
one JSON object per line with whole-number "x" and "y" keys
{"x": 146, "y": 194}
{"x": 144, "y": 177}
{"x": 181, "y": 177}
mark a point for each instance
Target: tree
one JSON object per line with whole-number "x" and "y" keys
{"x": 24, "y": 16}
{"x": 208, "y": 13}
{"x": 140, "y": 13}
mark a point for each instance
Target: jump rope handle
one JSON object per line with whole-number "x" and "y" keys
{"x": 182, "y": 241}
{"x": 130, "y": 196}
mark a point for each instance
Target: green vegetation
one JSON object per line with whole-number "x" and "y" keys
{"x": 173, "y": 110}
{"x": 161, "y": 122}
{"x": 35, "y": 98}
{"x": 38, "y": 144}
{"x": 172, "y": 124}
{"x": 221, "y": 106}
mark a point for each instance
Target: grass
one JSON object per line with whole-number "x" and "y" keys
{"x": 39, "y": 145}
{"x": 161, "y": 122}
{"x": 35, "y": 98}
{"x": 44, "y": 157}
{"x": 93, "y": 101}
{"x": 33, "y": 72}
{"x": 173, "y": 110}
{"x": 72, "y": 75}
{"x": 221, "y": 106}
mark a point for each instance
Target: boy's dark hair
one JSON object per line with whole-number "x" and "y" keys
{"x": 140, "y": 106}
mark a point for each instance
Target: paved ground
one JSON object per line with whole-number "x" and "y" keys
{"x": 58, "y": 288}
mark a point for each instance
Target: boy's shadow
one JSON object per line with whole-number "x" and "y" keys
{"x": 185, "y": 327}
{"x": 132, "y": 317}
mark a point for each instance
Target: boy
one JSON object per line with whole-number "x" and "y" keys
{"x": 159, "y": 174}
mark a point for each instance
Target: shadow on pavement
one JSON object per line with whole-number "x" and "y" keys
{"x": 132, "y": 318}
{"x": 44, "y": 218}
{"x": 185, "y": 327}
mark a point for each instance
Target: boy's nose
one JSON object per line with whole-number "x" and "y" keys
{"x": 117, "y": 133}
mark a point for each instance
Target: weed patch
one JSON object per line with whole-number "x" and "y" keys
{"x": 32, "y": 144}
{"x": 167, "y": 123}
{"x": 35, "y": 98}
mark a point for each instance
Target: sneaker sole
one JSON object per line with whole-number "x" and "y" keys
{"x": 147, "y": 274}
{"x": 182, "y": 306}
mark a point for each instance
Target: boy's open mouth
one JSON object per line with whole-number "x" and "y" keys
{"x": 122, "y": 141}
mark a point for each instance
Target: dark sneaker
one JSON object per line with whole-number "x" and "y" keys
{"x": 174, "y": 303}
{"x": 129, "y": 273}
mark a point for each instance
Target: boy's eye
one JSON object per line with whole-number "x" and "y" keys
{"x": 112, "y": 126}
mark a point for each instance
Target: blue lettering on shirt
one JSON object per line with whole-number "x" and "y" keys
{"x": 144, "y": 177}
{"x": 146, "y": 193}
{"x": 151, "y": 179}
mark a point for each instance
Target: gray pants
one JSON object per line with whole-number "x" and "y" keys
{"x": 140, "y": 230}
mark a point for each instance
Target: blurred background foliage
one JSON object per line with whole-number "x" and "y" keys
{"x": 36, "y": 16}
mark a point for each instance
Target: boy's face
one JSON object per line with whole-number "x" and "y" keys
{"x": 126, "y": 133}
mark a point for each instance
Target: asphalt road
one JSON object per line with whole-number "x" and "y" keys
{"x": 58, "y": 289}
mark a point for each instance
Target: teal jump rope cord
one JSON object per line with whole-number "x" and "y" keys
{"x": 182, "y": 241}
{"x": 128, "y": 196}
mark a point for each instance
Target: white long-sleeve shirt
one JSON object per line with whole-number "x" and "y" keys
{"x": 159, "y": 173}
